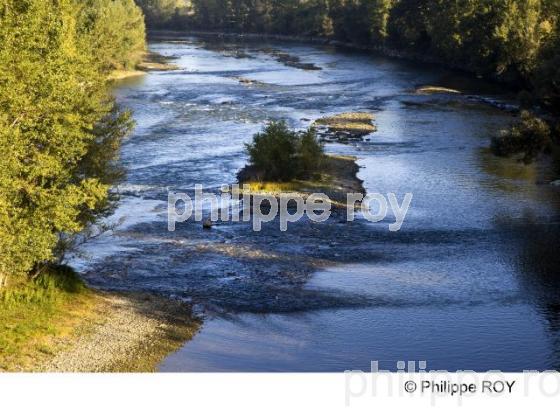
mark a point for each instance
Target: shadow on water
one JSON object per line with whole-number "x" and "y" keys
{"x": 534, "y": 250}
{"x": 469, "y": 282}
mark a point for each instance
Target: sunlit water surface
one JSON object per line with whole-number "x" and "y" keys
{"x": 470, "y": 282}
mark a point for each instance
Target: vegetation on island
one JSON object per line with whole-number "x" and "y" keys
{"x": 527, "y": 139}
{"x": 284, "y": 161}
{"x": 280, "y": 154}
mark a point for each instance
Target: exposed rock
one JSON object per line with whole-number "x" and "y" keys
{"x": 429, "y": 89}
{"x": 156, "y": 62}
{"x": 248, "y": 81}
{"x": 290, "y": 60}
{"x": 345, "y": 126}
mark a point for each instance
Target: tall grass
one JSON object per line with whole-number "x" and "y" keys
{"x": 52, "y": 286}
{"x": 36, "y": 312}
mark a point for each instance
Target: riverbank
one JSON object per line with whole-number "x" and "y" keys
{"x": 129, "y": 333}
{"x": 150, "y": 62}
{"x": 56, "y": 324}
{"x": 413, "y": 57}
{"x": 322, "y": 40}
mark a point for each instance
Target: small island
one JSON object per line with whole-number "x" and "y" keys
{"x": 286, "y": 162}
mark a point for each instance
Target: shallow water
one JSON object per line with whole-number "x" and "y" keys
{"x": 470, "y": 282}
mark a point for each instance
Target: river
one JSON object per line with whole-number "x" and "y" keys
{"x": 470, "y": 282}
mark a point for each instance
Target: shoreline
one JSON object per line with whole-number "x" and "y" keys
{"x": 129, "y": 333}
{"x": 92, "y": 331}
{"x": 511, "y": 106}
{"x": 160, "y": 34}
{"x": 150, "y": 62}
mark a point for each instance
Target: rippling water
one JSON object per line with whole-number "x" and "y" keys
{"x": 470, "y": 282}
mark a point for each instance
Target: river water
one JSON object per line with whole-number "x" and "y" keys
{"x": 470, "y": 282}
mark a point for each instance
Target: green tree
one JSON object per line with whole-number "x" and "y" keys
{"x": 59, "y": 131}
{"x": 281, "y": 154}
{"x": 520, "y": 36}
{"x": 165, "y": 13}
{"x": 115, "y": 30}
{"x": 274, "y": 151}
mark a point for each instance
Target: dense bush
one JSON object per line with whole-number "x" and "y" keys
{"x": 529, "y": 137}
{"x": 280, "y": 154}
{"x": 60, "y": 129}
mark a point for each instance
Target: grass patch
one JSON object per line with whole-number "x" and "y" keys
{"x": 55, "y": 323}
{"x": 34, "y": 314}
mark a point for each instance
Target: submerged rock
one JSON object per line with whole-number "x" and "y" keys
{"x": 248, "y": 81}
{"x": 290, "y": 60}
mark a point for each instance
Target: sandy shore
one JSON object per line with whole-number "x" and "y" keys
{"x": 128, "y": 333}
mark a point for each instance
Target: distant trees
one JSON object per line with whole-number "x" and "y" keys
{"x": 60, "y": 129}
{"x": 165, "y": 13}
{"x": 546, "y": 77}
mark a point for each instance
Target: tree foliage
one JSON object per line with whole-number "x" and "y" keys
{"x": 165, "y": 13}
{"x": 528, "y": 138}
{"x": 60, "y": 129}
{"x": 280, "y": 154}
{"x": 115, "y": 30}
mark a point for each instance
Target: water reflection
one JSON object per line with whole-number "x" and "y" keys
{"x": 470, "y": 282}
{"x": 536, "y": 259}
